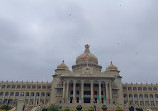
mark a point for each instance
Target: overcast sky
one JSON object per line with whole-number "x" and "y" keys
{"x": 36, "y": 35}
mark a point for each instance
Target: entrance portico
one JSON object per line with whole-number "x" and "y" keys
{"x": 82, "y": 90}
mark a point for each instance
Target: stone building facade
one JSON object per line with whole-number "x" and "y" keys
{"x": 86, "y": 84}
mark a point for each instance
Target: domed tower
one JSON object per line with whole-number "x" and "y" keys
{"x": 62, "y": 68}
{"x": 112, "y": 68}
{"x": 87, "y": 59}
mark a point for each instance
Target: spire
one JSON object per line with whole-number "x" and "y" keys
{"x": 87, "y": 48}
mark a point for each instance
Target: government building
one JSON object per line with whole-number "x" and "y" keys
{"x": 85, "y": 85}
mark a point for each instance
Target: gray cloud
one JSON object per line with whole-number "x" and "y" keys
{"x": 35, "y": 36}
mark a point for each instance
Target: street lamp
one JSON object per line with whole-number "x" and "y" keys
{"x": 94, "y": 105}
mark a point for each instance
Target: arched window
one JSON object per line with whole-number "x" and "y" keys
{"x": 1, "y": 93}
{"x": 37, "y": 94}
{"x": 156, "y": 96}
{"x": 6, "y": 93}
{"x": 22, "y": 94}
{"x": 135, "y": 96}
{"x": 12, "y": 94}
{"x": 48, "y": 94}
{"x": 42, "y": 94}
{"x": 151, "y": 96}
{"x": 140, "y": 96}
{"x": 145, "y": 96}
{"x": 27, "y": 93}
{"x": 17, "y": 94}
{"x": 32, "y": 94}
{"x": 130, "y": 96}
{"x": 125, "y": 95}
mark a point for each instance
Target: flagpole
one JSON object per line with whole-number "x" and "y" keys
{"x": 87, "y": 60}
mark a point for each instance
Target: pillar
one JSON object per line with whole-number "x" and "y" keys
{"x": 99, "y": 91}
{"x": 92, "y": 92}
{"x": 149, "y": 100}
{"x": 110, "y": 90}
{"x": 107, "y": 95}
{"x": 82, "y": 90}
{"x": 74, "y": 91}
{"x": 63, "y": 97}
{"x": 67, "y": 92}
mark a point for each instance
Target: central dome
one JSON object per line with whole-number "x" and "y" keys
{"x": 86, "y": 55}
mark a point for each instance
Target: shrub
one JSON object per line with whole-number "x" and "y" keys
{"x": 119, "y": 108}
{"x": 66, "y": 108}
{"x": 91, "y": 109}
{"x": 5, "y": 107}
{"x": 52, "y": 108}
{"x": 79, "y": 108}
{"x": 44, "y": 109}
{"x": 104, "y": 108}
{"x": 131, "y": 108}
{"x": 139, "y": 109}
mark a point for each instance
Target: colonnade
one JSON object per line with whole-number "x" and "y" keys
{"x": 104, "y": 95}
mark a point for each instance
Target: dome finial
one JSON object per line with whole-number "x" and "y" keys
{"x": 63, "y": 61}
{"x": 87, "y": 48}
{"x": 111, "y": 62}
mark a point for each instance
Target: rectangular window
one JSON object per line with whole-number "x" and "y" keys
{"x": 102, "y": 93}
{"x": 3, "y": 86}
{"x": 38, "y": 87}
{"x": 87, "y": 93}
{"x": 71, "y": 93}
{"x": 95, "y": 92}
{"x": 87, "y": 85}
{"x": 96, "y": 85}
{"x": 23, "y": 86}
{"x": 48, "y": 87}
{"x": 18, "y": 86}
{"x": 13, "y": 86}
{"x": 43, "y": 87}
{"x": 77, "y": 85}
{"x": 78, "y": 92}
{"x": 8, "y": 86}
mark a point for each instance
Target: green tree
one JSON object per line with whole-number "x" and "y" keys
{"x": 91, "y": 109}
{"x": 53, "y": 108}
{"x": 118, "y": 108}
{"x": 131, "y": 108}
{"x": 5, "y": 107}
{"x": 139, "y": 109}
{"x": 104, "y": 107}
{"x": 66, "y": 108}
{"x": 79, "y": 108}
{"x": 44, "y": 109}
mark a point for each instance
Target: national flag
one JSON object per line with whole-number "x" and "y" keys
{"x": 85, "y": 57}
